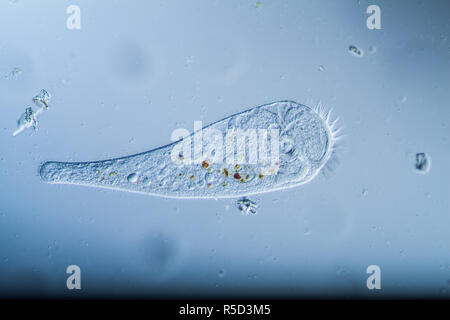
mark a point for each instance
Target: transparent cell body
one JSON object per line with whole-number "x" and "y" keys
{"x": 306, "y": 139}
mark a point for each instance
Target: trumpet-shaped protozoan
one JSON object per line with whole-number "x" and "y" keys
{"x": 293, "y": 140}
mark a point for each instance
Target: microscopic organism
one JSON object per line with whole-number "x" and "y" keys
{"x": 42, "y": 100}
{"x": 247, "y": 206}
{"x": 423, "y": 163}
{"x": 30, "y": 117}
{"x": 270, "y": 147}
{"x": 357, "y": 52}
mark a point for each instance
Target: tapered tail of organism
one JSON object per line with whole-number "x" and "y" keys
{"x": 270, "y": 147}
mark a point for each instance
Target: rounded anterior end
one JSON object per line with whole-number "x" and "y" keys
{"x": 47, "y": 171}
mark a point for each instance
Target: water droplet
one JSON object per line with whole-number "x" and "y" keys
{"x": 364, "y": 192}
{"x": 372, "y": 49}
{"x": 132, "y": 178}
{"x": 321, "y": 68}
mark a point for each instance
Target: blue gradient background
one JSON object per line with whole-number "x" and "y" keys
{"x": 139, "y": 69}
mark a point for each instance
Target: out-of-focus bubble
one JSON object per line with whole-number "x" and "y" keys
{"x": 160, "y": 253}
{"x": 372, "y": 49}
{"x": 132, "y": 62}
{"x": 306, "y": 231}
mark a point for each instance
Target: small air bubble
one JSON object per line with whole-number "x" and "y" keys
{"x": 221, "y": 273}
